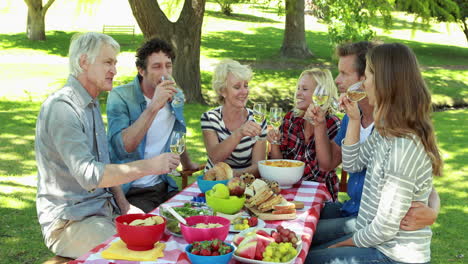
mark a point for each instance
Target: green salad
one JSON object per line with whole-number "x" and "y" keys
{"x": 185, "y": 211}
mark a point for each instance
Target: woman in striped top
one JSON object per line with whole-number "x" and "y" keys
{"x": 401, "y": 156}
{"x": 229, "y": 130}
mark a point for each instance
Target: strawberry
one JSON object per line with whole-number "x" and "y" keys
{"x": 215, "y": 253}
{"x": 205, "y": 252}
{"x": 215, "y": 244}
{"x": 195, "y": 252}
{"x": 253, "y": 221}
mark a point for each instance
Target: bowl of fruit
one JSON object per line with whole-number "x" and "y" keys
{"x": 209, "y": 252}
{"x": 205, "y": 227}
{"x": 187, "y": 210}
{"x": 226, "y": 200}
{"x": 266, "y": 245}
{"x": 140, "y": 231}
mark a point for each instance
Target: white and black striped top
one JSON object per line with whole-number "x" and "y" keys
{"x": 241, "y": 157}
{"x": 399, "y": 171}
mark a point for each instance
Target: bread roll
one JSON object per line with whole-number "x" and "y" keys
{"x": 223, "y": 171}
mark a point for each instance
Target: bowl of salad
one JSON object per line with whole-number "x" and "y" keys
{"x": 186, "y": 210}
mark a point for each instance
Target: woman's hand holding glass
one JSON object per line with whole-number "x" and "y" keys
{"x": 316, "y": 114}
{"x": 319, "y": 99}
{"x": 351, "y": 108}
{"x": 249, "y": 129}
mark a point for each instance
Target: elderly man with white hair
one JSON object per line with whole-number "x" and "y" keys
{"x": 76, "y": 194}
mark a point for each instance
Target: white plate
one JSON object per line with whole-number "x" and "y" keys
{"x": 260, "y": 224}
{"x": 253, "y": 261}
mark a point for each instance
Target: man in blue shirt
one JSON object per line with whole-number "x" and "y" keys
{"x": 141, "y": 120}
{"x": 338, "y": 219}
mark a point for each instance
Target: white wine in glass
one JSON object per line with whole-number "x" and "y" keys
{"x": 177, "y": 144}
{"x": 259, "y": 114}
{"x": 178, "y": 99}
{"x": 355, "y": 92}
{"x": 276, "y": 116}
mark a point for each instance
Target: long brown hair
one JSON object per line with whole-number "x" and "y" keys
{"x": 403, "y": 101}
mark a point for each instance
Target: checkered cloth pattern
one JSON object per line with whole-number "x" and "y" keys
{"x": 312, "y": 194}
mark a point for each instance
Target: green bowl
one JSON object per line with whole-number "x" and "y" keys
{"x": 231, "y": 205}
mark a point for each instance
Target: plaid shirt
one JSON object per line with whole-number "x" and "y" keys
{"x": 293, "y": 146}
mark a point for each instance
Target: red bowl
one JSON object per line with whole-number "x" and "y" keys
{"x": 192, "y": 234}
{"x": 139, "y": 238}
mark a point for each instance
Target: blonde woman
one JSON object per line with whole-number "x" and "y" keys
{"x": 229, "y": 130}
{"x": 401, "y": 155}
{"x": 297, "y": 134}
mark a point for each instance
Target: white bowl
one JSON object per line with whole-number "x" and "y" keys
{"x": 285, "y": 176}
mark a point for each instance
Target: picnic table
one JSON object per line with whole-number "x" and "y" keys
{"x": 313, "y": 195}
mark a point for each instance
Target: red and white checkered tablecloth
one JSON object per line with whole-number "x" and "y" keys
{"x": 313, "y": 195}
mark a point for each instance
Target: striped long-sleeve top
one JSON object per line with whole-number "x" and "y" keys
{"x": 241, "y": 156}
{"x": 399, "y": 171}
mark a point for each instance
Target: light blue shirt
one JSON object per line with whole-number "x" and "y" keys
{"x": 125, "y": 104}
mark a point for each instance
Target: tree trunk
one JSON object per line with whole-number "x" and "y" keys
{"x": 184, "y": 35}
{"x": 35, "y": 27}
{"x": 464, "y": 27}
{"x": 294, "y": 42}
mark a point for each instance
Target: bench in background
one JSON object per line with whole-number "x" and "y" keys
{"x": 119, "y": 30}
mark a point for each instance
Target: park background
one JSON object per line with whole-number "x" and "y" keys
{"x": 253, "y": 34}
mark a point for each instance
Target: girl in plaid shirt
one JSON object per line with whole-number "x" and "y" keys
{"x": 297, "y": 134}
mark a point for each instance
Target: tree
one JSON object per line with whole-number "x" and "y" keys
{"x": 184, "y": 35}
{"x": 442, "y": 10}
{"x": 350, "y": 20}
{"x": 294, "y": 41}
{"x": 35, "y": 28}
{"x": 226, "y": 5}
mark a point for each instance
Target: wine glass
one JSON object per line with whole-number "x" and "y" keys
{"x": 259, "y": 114}
{"x": 178, "y": 99}
{"x": 177, "y": 144}
{"x": 319, "y": 98}
{"x": 276, "y": 116}
{"x": 356, "y": 92}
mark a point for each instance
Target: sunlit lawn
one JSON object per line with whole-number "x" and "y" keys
{"x": 29, "y": 71}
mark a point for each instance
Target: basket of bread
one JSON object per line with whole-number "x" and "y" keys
{"x": 220, "y": 173}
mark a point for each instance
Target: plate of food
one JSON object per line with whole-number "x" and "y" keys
{"x": 242, "y": 223}
{"x": 267, "y": 245}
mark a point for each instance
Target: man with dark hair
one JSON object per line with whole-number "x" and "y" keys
{"x": 141, "y": 120}
{"x": 338, "y": 219}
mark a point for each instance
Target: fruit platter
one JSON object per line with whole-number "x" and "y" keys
{"x": 267, "y": 245}
{"x": 242, "y": 223}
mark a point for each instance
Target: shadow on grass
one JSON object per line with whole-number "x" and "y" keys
{"x": 17, "y": 137}
{"x": 58, "y": 42}
{"x": 401, "y": 24}
{"x": 240, "y": 17}
{"x": 20, "y": 232}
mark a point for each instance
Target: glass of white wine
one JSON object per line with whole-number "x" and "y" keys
{"x": 177, "y": 144}
{"x": 356, "y": 92}
{"x": 276, "y": 116}
{"x": 178, "y": 99}
{"x": 319, "y": 98}
{"x": 259, "y": 114}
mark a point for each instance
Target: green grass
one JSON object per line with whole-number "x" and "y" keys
{"x": 30, "y": 71}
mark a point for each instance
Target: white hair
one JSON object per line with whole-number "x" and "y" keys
{"x": 88, "y": 44}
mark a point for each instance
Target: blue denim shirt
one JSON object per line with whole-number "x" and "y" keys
{"x": 355, "y": 180}
{"x": 125, "y": 104}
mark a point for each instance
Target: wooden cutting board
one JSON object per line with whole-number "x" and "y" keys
{"x": 270, "y": 216}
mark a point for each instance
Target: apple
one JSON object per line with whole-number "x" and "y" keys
{"x": 220, "y": 191}
{"x": 236, "y": 186}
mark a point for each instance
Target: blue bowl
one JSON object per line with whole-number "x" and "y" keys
{"x": 205, "y": 185}
{"x": 197, "y": 259}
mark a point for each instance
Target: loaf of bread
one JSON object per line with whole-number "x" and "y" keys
{"x": 221, "y": 171}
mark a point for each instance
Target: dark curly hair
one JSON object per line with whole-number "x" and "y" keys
{"x": 151, "y": 46}
{"x": 359, "y": 49}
